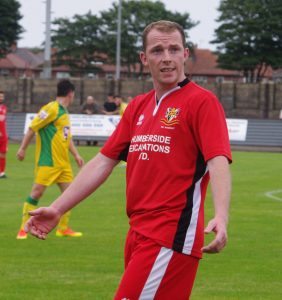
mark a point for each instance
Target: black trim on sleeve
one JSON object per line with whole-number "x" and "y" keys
{"x": 185, "y": 217}
{"x": 123, "y": 154}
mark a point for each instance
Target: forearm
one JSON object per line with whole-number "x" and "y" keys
{"x": 27, "y": 138}
{"x": 220, "y": 180}
{"x": 73, "y": 149}
{"x": 92, "y": 175}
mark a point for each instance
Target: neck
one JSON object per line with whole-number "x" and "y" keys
{"x": 63, "y": 101}
{"x": 161, "y": 89}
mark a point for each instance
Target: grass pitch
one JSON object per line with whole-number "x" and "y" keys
{"x": 90, "y": 267}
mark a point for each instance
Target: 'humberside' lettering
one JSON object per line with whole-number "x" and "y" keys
{"x": 151, "y": 138}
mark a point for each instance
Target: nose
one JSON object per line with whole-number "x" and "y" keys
{"x": 166, "y": 56}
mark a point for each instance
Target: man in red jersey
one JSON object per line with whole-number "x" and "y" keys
{"x": 174, "y": 138}
{"x": 3, "y": 136}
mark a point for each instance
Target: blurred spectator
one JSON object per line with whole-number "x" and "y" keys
{"x": 91, "y": 107}
{"x": 110, "y": 105}
{"x": 121, "y": 105}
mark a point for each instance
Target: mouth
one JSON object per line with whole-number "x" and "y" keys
{"x": 167, "y": 70}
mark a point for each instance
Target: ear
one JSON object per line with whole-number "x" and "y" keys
{"x": 186, "y": 53}
{"x": 143, "y": 58}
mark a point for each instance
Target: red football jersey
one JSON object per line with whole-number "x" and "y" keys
{"x": 3, "y": 113}
{"x": 167, "y": 146}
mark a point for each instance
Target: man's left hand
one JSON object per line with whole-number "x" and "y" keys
{"x": 218, "y": 226}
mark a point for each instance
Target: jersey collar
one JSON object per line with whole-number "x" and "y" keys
{"x": 178, "y": 87}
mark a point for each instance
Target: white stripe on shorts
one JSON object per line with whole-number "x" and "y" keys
{"x": 157, "y": 273}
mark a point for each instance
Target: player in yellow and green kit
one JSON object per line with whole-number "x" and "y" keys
{"x": 53, "y": 144}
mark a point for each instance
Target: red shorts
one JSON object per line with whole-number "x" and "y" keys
{"x": 155, "y": 272}
{"x": 3, "y": 145}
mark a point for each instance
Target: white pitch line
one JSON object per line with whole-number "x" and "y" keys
{"x": 271, "y": 195}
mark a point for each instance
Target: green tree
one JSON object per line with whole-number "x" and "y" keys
{"x": 249, "y": 37}
{"x": 10, "y": 29}
{"x": 78, "y": 42}
{"x": 135, "y": 16}
{"x": 87, "y": 39}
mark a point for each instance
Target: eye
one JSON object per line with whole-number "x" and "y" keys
{"x": 157, "y": 50}
{"x": 174, "y": 50}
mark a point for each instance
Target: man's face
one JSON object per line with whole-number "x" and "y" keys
{"x": 165, "y": 57}
{"x": 111, "y": 99}
{"x": 70, "y": 98}
{"x": 90, "y": 100}
{"x": 2, "y": 97}
{"x": 118, "y": 101}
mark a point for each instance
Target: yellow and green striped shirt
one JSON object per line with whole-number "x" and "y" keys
{"x": 52, "y": 128}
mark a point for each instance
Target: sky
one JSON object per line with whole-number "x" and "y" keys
{"x": 33, "y": 21}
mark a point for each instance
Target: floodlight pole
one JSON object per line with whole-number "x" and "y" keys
{"x": 118, "y": 41}
{"x": 47, "y": 70}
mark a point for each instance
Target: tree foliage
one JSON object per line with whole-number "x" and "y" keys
{"x": 10, "y": 29}
{"x": 135, "y": 16}
{"x": 78, "y": 41}
{"x": 249, "y": 36}
{"x": 82, "y": 40}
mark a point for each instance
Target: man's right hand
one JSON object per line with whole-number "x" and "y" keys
{"x": 42, "y": 221}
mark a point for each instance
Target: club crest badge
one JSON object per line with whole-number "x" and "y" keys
{"x": 66, "y": 132}
{"x": 171, "y": 117}
{"x": 43, "y": 114}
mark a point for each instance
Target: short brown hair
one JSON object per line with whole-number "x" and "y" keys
{"x": 163, "y": 26}
{"x": 64, "y": 87}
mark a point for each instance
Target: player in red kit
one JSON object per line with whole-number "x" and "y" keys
{"x": 174, "y": 139}
{"x": 3, "y": 136}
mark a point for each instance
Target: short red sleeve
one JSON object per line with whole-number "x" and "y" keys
{"x": 210, "y": 128}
